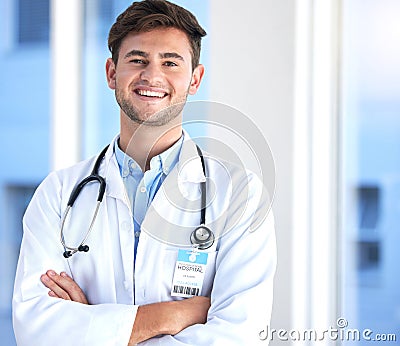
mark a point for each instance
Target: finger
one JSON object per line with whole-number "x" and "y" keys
{"x": 63, "y": 286}
{"x": 68, "y": 285}
{"x": 52, "y": 294}
{"x": 47, "y": 280}
{"x": 73, "y": 289}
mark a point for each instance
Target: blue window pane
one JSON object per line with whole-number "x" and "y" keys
{"x": 33, "y": 23}
{"x": 371, "y": 166}
{"x": 24, "y": 134}
{"x": 368, "y": 206}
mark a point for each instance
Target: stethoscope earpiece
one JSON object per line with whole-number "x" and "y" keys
{"x": 83, "y": 248}
{"x": 67, "y": 254}
{"x": 93, "y": 177}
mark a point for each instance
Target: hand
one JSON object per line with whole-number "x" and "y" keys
{"x": 188, "y": 312}
{"x": 168, "y": 318}
{"x": 62, "y": 286}
{"x": 151, "y": 320}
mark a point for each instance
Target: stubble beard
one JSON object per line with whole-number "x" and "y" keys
{"x": 159, "y": 118}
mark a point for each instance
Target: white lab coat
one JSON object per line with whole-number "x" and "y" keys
{"x": 239, "y": 273}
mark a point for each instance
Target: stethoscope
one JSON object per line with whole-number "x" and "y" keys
{"x": 201, "y": 238}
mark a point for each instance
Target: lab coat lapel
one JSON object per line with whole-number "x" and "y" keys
{"x": 120, "y": 222}
{"x": 175, "y": 210}
{"x": 115, "y": 186}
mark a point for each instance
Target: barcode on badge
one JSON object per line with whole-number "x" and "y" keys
{"x": 190, "y": 291}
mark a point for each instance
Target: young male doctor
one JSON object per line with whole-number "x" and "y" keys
{"x": 144, "y": 279}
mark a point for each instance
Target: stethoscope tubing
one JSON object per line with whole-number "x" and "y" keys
{"x": 73, "y": 250}
{"x": 94, "y": 176}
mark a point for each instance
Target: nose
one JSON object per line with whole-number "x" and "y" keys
{"x": 151, "y": 74}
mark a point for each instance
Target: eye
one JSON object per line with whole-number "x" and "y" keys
{"x": 170, "y": 64}
{"x": 138, "y": 61}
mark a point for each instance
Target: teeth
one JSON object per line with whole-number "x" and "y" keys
{"x": 150, "y": 93}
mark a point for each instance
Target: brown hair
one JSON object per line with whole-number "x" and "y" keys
{"x": 144, "y": 16}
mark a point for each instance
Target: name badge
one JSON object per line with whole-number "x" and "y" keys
{"x": 189, "y": 273}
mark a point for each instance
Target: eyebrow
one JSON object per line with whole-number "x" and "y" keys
{"x": 135, "y": 52}
{"x": 171, "y": 55}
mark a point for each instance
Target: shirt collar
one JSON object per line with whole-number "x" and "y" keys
{"x": 191, "y": 172}
{"x": 165, "y": 161}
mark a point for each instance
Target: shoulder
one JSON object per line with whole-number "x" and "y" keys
{"x": 80, "y": 170}
{"x": 75, "y": 172}
{"x": 234, "y": 173}
{"x": 59, "y": 183}
{"x": 242, "y": 192}
{"x": 69, "y": 175}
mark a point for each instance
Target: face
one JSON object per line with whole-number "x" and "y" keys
{"x": 154, "y": 75}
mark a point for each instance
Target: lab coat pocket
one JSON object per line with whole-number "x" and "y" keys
{"x": 168, "y": 263}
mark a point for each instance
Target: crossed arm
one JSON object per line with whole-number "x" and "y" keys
{"x": 168, "y": 318}
{"x": 241, "y": 291}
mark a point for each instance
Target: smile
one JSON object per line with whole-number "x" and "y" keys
{"x": 150, "y": 93}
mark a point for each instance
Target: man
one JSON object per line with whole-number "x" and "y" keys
{"x": 127, "y": 288}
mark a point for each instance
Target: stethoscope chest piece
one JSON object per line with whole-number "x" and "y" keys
{"x": 202, "y": 237}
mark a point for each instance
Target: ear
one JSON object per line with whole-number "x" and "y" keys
{"x": 111, "y": 73}
{"x": 197, "y": 76}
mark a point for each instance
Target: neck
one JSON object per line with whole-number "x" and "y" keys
{"x": 142, "y": 142}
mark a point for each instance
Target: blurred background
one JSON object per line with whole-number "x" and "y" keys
{"x": 321, "y": 79}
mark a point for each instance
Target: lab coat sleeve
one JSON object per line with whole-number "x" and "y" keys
{"x": 241, "y": 298}
{"x": 42, "y": 320}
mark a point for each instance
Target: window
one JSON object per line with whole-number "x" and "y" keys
{"x": 368, "y": 254}
{"x": 17, "y": 197}
{"x": 369, "y": 237}
{"x": 370, "y": 152}
{"x": 106, "y": 10}
{"x": 33, "y": 22}
{"x": 368, "y": 207}
{"x": 24, "y": 132}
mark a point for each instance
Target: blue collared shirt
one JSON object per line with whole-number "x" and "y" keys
{"x": 142, "y": 187}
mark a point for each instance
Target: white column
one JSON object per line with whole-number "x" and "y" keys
{"x": 301, "y": 234}
{"x": 66, "y": 48}
{"x": 252, "y": 69}
{"x": 316, "y": 291}
{"x": 324, "y": 170}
